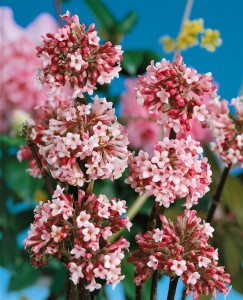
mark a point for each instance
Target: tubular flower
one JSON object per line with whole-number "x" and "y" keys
{"x": 76, "y": 232}
{"x": 176, "y": 169}
{"x": 46, "y": 111}
{"x": 227, "y": 130}
{"x": 85, "y": 142}
{"x": 175, "y": 92}
{"x": 182, "y": 250}
{"x": 74, "y": 56}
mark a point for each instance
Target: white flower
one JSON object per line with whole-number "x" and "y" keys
{"x": 158, "y": 235}
{"x": 203, "y": 262}
{"x": 179, "y": 267}
{"x": 153, "y": 262}
{"x": 193, "y": 277}
{"x": 208, "y": 229}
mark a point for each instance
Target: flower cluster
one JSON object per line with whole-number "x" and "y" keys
{"x": 74, "y": 56}
{"x": 85, "y": 142}
{"x": 176, "y": 169}
{"x": 46, "y": 111}
{"x": 227, "y": 130}
{"x": 143, "y": 131}
{"x": 76, "y": 232}
{"x": 175, "y": 92}
{"x": 19, "y": 89}
{"x": 181, "y": 250}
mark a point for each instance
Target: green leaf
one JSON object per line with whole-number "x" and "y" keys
{"x": 24, "y": 275}
{"x": 8, "y": 250}
{"x": 127, "y": 282}
{"x": 232, "y": 255}
{"x": 23, "y": 219}
{"x": 127, "y": 23}
{"x": 203, "y": 297}
{"x": 136, "y": 61}
{"x": 14, "y": 141}
{"x": 232, "y": 197}
{"x": 236, "y": 281}
{"x": 102, "y": 13}
{"x": 59, "y": 281}
{"x": 19, "y": 181}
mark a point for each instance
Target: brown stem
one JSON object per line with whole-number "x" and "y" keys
{"x": 172, "y": 288}
{"x": 139, "y": 289}
{"x": 73, "y": 292}
{"x": 58, "y": 8}
{"x": 83, "y": 294}
{"x": 154, "y": 285}
{"x": 217, "y": 197}
{"x": 172, "y": 135}
{"x": 183, "y": 297}
{"x": 44, "y": 173}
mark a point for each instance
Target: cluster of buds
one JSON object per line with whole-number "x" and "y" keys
{"x": 76, "y": 232}
{"x": 85, "y": 142}
{"x": 175, "y": 92}
{"x": 181, "y": 250}
{"x": 227, "y": 130}
{"x": 176, "y": 169}
{"x": 74, "y": 57}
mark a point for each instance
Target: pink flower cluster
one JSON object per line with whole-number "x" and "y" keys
{"x": 46, "y": 111}
{"x": 76, "y": 232}
{"x": 85, "y": 142}
{"x": 227, "y": 130}
{"x": 176, "y": 169}
{"x": 181, "y": 250}
{"x": 74, "y": 56}
{"x": 175, "y": 93}
{"x": 19, "y": 89}
{"x": 143, "y": 131}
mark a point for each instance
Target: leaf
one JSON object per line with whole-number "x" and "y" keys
{"x": 59, "y": 281}
{"x": 232, "y": 197}
{"x": 236, "y": 281}
{"x": 24, "y": 275}
{"x": 127, "y": 23}
{"x": 14, "y": 141}
{"x": 23, "y": 219}
{"x": 19, "y": 181}
{"x": 127, "y": 282}
{"x": 102, "y": 13}
{"x": 203, "y": 297}
{"x": 232, "y": 255}
{"x": 136, "y": 61}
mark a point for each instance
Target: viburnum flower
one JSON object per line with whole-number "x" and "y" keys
{"x": 227, "y": 129}
{"x": 175, "y": 92}
{"x": 19, "y": 89}
{"x": 183, "y": 251}
{"x": 46, "y": 111}
{"x": 143, "y": 130}
{"x": 75, "y": 233}
{"x": 85, "y": 142}
{"x": 176, "y": 169}
{"x": 74, "y": 56}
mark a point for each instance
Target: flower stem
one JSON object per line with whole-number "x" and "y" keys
{"x": 139, "y": 289}
{"x": 83, "y": 294}
{"x": 172, "y": 288}
{"x": 185, "y": 17}
{"x": 154, "y": 285}
{"x": 217, "y": 197}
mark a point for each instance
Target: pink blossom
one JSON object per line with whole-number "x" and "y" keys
{"x": 183, "y": 251}
{"x": 143, "y": 132}
{"x": 19, "y": 89}
{"x": 177, "y": 169}
{"x": 91, "y": 255}
{"x": 93, "y": 136}
{"x": 76, "y": 58}
{"x": 175, "y": 93}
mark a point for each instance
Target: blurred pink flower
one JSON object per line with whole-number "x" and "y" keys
{"x": 18, "y": 65}
{"x": 143, "y": 132}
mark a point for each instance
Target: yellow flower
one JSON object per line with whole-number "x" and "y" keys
{"x": 168, "y": 43}
{"x": 211, "y": 40}
{"x": 193, "y": 27}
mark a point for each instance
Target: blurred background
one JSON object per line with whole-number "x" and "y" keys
{"x": 137, "y": 25}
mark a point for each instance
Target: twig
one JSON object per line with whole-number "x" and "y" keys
{"x": 154, "y": 285}
{"x": 217, "y": 197}
{"x": 139, "y": 289}
{"x": 172, "y": 288}
{"x": 26, "y": 130}
{"x": 185, "y": 17}
{"x": 58, "y": 11}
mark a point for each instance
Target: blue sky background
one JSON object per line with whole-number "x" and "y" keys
{"x": 155, "y": 19}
